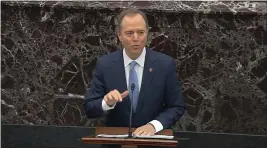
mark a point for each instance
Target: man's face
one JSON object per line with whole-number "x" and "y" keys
{"x": 133, "y": 34}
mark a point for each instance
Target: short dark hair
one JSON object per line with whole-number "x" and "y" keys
{"x": 127, "y": 12}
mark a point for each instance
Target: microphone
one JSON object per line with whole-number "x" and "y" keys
{"x": 131, "y": 113}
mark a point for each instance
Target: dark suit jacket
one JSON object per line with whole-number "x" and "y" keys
{"x": 160, "y": 97}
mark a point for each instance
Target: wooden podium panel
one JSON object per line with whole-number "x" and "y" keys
{"x": 128, "y": 142}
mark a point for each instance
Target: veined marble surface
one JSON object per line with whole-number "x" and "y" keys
{"x": 48, "y": 54}
{"x": 176, "y": 6}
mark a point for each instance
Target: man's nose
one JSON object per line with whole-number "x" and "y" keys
{"x": 135, "y": 37}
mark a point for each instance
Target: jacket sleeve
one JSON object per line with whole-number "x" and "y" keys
{"x": 173, "y": 100}
{"x": 95, "y": 95}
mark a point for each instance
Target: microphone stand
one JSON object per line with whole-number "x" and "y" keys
{"x": 130, "y": 122}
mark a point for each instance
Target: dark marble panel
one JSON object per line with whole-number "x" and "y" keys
{"x": 167, "y": 6}
{"x": 48, "y": 55}
{"x": 25, "y": 136}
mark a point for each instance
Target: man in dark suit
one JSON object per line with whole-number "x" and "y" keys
{"x": 156, "y": 97}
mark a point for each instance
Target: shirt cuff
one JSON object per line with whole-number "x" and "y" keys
{"x": 105, "y": 107}
{"x": 157, "y": 125}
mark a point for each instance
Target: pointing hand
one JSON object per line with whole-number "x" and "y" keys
{"x": 115, "y": 96}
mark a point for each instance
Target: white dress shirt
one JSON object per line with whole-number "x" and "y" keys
{"x": 139, "y": 70}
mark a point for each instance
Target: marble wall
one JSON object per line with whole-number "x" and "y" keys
{"x": 49, "y": 50}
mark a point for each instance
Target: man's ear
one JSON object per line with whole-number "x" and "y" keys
{"x": 119, "y": 36}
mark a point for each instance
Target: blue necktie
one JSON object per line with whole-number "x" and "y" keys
{"x": 133, "y": 80}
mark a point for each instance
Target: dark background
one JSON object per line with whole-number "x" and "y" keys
{"x": 49, "y": 50}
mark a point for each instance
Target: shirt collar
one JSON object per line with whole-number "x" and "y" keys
{"x": 140, "y": 60}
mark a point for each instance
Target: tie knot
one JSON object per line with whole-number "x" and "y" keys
{"x": 133, "y": 63}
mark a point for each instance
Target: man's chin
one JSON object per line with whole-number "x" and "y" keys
{"x": 136, "y": 51}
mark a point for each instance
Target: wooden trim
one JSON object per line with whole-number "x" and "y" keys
{"x": 130, "y": 142}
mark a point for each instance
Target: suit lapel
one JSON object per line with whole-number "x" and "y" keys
{"x": 148, "y": 73}
{"x": 119, "y": 75}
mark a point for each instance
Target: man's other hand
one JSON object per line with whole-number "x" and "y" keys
{"x": 145, "y": 130}
{"x": 115, "y": 96}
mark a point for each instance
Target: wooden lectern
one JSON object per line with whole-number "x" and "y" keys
{"x": 128, "y": 142}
